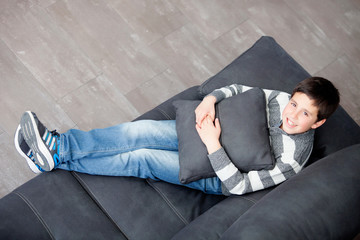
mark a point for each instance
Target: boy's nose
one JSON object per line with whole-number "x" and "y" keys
{"x": 294, "y": 115}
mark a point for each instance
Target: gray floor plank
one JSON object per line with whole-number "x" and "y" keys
{"x": 47, "y": 52}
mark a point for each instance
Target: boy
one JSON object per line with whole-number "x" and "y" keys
{"x": 149, "y": 149}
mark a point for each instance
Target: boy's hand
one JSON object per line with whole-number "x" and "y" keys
{"x": 209, "y": 133}
{"x": 205, "y": 108}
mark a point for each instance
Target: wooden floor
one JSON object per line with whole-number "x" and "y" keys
{"x": 94, "y": 63}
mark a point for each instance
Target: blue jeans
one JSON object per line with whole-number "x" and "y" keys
{"x": 143, "y": 149}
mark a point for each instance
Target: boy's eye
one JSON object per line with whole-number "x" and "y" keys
{"x": 293, "y": 104}
{"x": 306, "y": 114}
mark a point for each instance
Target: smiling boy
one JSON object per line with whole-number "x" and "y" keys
{"x": 291, "y": 127}
{"x": 149, "y": 149}
{"x": 300, "y": 115}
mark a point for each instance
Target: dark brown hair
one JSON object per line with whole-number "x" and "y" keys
{"x": 324, "y": 94}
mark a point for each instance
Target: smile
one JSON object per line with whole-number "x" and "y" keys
{"x": 290, "y": 123}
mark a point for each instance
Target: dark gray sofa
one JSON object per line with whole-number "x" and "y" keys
{"x": 321, "y": 202}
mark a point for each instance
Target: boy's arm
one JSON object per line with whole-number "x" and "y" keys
{"x": 209, "y": 133}
{"x": 228, "y": 91}
{"x": 232, "y": 178}
{"x": 205, "y": 109}
{"x": 240, "y": 183}
{"x": 207, "y": 106}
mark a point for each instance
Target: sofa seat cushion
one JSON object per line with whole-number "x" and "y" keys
{"x": 58, "y": 205}
{"x": 146, "y": 209}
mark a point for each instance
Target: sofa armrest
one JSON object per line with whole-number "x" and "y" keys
{"x": 321, "y": 202}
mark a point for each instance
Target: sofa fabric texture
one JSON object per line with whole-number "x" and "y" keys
{"x": 321, "y": 202}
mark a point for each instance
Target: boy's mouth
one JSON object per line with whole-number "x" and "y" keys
{"x": 290, "y": 123}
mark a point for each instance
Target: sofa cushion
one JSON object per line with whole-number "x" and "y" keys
{"x": 135, "y": 205}
{"x": 166, "y": 110}
{"x": 19, "y": 221}
{"x": 244, "y": 135}
{"x": 265, "y": 65}
{"x": 62, "y": 207}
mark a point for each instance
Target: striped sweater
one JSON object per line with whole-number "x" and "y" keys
{"x": 290, "y": 151}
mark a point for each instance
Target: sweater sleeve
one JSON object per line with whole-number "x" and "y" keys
{"x": 228, "y": 91}
{"x": 236, "y": 182}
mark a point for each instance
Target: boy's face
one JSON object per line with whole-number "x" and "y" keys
{"x": 300, "y": 115}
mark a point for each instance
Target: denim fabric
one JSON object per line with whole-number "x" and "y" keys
{"x": 144, "y": 149}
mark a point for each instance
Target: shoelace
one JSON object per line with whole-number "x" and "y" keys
{"x": 51, "y": 138}
{"x": 55, "y": 133}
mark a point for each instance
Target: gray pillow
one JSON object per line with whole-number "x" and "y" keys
{"x": 244, "y": 135}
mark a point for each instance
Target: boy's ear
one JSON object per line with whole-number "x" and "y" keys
{"x": 318, "y": 123}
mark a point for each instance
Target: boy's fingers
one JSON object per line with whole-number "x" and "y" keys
{"x": 207, "y": 118}
{"x": 217, "y": 123}
{"x": 212, "y": 116}
{"x": 201, "y": 118}
{"x": 198, "y": 116}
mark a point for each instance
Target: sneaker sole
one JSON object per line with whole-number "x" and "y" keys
{"x": 30, "y": 163}
{"x": 32, "y": 137}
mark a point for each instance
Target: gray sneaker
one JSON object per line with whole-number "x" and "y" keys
{"x": 25, "y": 151}
{"x": 43, "y": 143}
